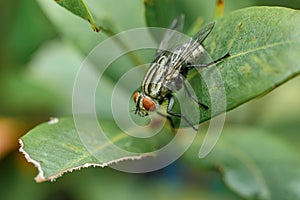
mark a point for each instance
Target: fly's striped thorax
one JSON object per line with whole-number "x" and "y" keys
{"x": 163, "y": 75}
{"x": 153, "y": 83}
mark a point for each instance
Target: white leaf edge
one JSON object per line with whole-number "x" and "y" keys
{"x": 41, "y": 178}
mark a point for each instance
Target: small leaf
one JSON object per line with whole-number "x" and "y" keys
{"x": 109, "y": 18}
{"x": 57, "y": 147}
{"x": 79, "y": 7}
{"x": 254, "y": 163}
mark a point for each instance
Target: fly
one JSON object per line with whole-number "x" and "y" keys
{"x": 167, "y": 72}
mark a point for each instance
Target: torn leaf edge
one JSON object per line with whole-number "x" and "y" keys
{"x": 41, "y": 178}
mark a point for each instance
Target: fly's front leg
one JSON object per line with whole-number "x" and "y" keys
{"x": 170, "y": 106}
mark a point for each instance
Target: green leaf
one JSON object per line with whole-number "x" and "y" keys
{"x": 263, "y": 43}
{"x": 110, "y": 18}
{"x": 254, "y": 163}
{"x": 79, "y": 7}
{"x": 58, "y": 146}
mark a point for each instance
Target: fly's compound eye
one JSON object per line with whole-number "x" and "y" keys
{"x": 149, "y": 104}
{"x": 135, "y": 96}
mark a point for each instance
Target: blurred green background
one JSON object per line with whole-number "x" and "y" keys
{"x": 32, "y": 90}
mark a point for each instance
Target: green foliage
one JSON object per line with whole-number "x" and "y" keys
{"x": 260, "y": 162}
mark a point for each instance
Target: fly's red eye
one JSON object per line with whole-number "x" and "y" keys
{"x": 149, "y": 104}
{"x": 135, "y": 96}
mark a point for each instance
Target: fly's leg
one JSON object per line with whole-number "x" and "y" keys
{"x": 193, "y": 97}
{"x": 210, "y": 63}
{"x": 202, "y": 66}
{"x": 170, "y": 106}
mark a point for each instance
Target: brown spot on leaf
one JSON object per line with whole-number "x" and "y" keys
{"x": 240, "y": 25}
{"x": 220, "y": 3}
{"x": 246, "y": 69}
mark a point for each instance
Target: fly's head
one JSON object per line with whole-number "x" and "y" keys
{"x": 144, "y": 104}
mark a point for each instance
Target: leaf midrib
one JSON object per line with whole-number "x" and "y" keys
{"x": 116, "y": 138}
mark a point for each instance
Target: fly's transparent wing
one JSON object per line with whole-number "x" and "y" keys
{"x": 201, "y": 57}
{"x": 200, "y": 36}
{"x": 171, "y": 37}
{"x": 193, "y": 48}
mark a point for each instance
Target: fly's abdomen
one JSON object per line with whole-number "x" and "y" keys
{"x": 162, "y": 85}
{"x": 154, "y": 86}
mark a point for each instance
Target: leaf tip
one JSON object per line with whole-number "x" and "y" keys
{"x": 220, "y": 9}
{"x": 95, "y": 28}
